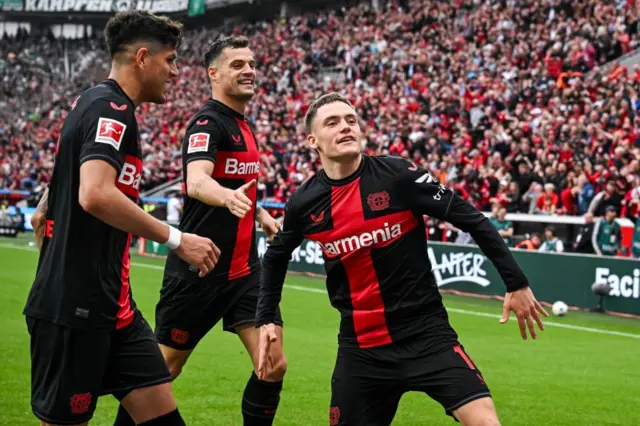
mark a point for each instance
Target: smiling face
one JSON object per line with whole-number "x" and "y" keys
{"x": 335, "y": 132}
{"x": 235, "y": 73}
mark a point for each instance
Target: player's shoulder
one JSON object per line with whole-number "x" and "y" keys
{"x": 390, "y": 166}
{"x": 207, "y": 119}
{"x": 308, "y": 193}
{"x": 390, "y": 162}
{"x": 103, "y": 99}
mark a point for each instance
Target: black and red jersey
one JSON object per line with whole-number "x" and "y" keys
{"x": 370, "y": 228}
{"x": 82, "y": 279}
{"x": 221, "y": 135}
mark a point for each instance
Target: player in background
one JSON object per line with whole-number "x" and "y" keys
{"x": 87, "y": 337}
{"x": 366, "y": 213}
{"x": 220, "y": 166}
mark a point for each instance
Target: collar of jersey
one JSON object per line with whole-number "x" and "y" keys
{"x": 344, "y": 181}
{"x": 116, "y": 86}
{"x": 219, "y": 106}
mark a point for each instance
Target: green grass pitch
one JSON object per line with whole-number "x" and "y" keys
{"x": 569, "y": 376}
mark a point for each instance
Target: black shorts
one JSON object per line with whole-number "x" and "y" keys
{"x": 367, "y": 384}
{"x": 71, "y": 368}
{"x": 188, "y": 309}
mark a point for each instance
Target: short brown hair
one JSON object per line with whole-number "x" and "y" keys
{"x": 125, "y": 28}
{"x": 320, "y": 102}
{"x": 218, "y": 46}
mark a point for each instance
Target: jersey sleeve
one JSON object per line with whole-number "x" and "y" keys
{"x": 275, "y": 264}
{"x": 108, "y": 131}
{"x": 201, "y": 140}
{"x": 426, "y": 196}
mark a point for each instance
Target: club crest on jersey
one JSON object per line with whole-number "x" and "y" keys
{"x": 334, "y": 416}
{"x": 80, "y": 403}
{"x": 378, "y": 201}
{"x": 198, "y": 142}
{"x": 179, "y": 336}
{"x": 110, "y": 131}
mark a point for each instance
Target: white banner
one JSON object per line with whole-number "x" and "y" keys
{"x": 105, "y": 6}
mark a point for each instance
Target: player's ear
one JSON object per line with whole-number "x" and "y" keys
{"x": 213, "y": 73}
{"x": 142, "y": 57}
{"x": 312, "y": 141}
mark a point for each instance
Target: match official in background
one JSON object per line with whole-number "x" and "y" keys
{"x": 87, "y": 337}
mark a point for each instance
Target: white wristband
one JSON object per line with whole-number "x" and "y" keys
{"x": 174, "y": 238}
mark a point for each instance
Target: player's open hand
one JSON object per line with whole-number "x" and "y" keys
{"x": 527, "y": 309}
{"x": 199, "y": 252}
{"x": 265, "y": 361}
{"x": 238, "y": 202}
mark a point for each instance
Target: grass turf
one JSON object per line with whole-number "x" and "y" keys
{"x": 566, "y": 377}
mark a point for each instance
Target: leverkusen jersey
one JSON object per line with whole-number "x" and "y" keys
{"x": 82, "y": 279}
{"x": 371, "y": 231}
{"x": 221, "y": 135}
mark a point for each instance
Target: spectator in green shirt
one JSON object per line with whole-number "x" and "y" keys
{"x": 607, "y": 233}
{"x": 552, "y": 243}
{"x": 504, "y": 226}
{"x": 635, "y": 241}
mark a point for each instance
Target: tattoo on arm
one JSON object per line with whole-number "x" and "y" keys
{"x": 43, "y": 204}
{"x": 198, "y": 185}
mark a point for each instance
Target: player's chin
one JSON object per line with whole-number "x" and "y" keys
{"x": 347, "y": 150}
{"x": 245, "y": 93}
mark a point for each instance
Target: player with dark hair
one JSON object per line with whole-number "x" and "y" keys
{"x": 366, "y": 214}
{"x": 220, "y": 166}
{"x": 87, "y": 337}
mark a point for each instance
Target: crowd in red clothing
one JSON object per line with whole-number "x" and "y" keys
{"x": 506, "y": 101}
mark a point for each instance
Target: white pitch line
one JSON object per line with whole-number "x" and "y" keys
{"x": 459, "y": 311}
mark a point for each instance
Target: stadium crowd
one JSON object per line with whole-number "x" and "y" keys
{"x": 506, "y": 101}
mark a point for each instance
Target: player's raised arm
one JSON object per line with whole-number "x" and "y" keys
{"x": 431, "y": 198}
{"x": 200, "y": 151}
{"x": 274, "y": 268}
{"x": 105, "y": 178}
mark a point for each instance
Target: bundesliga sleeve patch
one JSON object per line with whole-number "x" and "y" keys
{"x": 198, "y": 142}
{"x": 110, "y": 131}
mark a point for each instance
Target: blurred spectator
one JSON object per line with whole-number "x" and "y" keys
{"x": 585, "y": 241}
{"x": 494, "y": 98}
{"x": 532, "y": 243}
{"x": 551, "y": 243}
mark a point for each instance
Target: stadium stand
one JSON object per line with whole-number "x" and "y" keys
{"x": 508, "y": 102}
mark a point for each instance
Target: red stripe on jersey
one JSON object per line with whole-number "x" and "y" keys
{"x": 351, "y": 240}
{"x": 369, "y": 321}
{"x": 244, "y": 165}
{"x": 128, "y": 181}
{"x": 125, "y": 313}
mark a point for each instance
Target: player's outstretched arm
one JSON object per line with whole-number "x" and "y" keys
{"x": 202, "y": 187}
{"x": 39, "y": 217}
{"x": 274, "y": 268}
{"x": 430, "y": 198}
{"x": 100, "y": 197}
